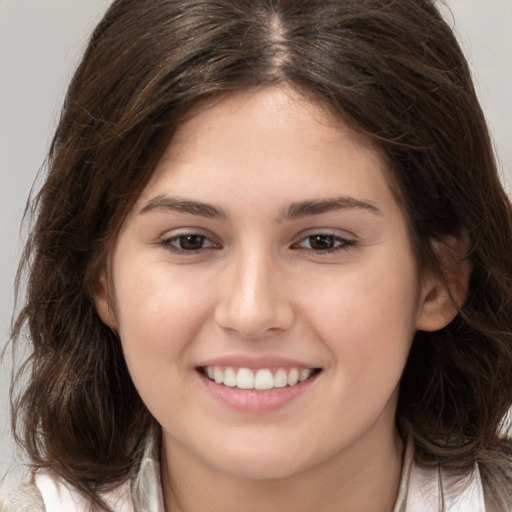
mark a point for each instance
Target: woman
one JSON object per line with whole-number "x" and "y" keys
{"x": 270, "y": 268}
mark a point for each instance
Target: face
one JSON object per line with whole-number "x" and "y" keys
{"x": 265, "y": 290}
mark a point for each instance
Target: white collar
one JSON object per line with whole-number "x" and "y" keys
{"x": 422, "y": 488}
{"x": 434, "y": 489}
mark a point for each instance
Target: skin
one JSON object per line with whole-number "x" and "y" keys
{"x": 259, "y": 286}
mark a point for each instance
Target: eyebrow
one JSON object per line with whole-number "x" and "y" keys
{"x": 296, "y": 210}
{"x": 177, "y": 204}
{"x": 316, "y": 207}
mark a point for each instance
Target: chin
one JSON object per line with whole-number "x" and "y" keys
{"x": 259, "y": 462}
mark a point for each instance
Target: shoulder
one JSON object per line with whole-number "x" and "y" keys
{"x": 49, "y": 493}
{"x": 496, "y": 473}
{"x": 26, "y": 498}
{"x": 434, "y": 489}
{"x": 461, "y": 492}
{"x": 480, "y": 490}
{"x": 485, "y": 487}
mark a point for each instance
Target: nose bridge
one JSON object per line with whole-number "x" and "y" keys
{"x": 253, "y": 301}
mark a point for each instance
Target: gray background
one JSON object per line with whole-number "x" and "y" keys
{"x": 40, "y": 44}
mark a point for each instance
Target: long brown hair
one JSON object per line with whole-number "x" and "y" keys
{"x": 393, "y": 71}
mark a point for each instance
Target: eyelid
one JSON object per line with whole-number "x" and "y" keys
{"x": 347, "y": 240}
{"x": 339, "y": 233}
{"x": 173, "y": 235}
{"x": 184, "y": 231}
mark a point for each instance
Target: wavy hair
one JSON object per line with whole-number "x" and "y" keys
{"x": 393, "y": 71}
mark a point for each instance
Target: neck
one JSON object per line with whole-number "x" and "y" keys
{"x": 364, "y": 477}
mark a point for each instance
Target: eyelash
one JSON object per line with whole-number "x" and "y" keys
{"x": 343, "y": 244}
{"x": 168, "y": 243}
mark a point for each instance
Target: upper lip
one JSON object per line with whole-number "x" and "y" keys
{"x": 254, "y": 363}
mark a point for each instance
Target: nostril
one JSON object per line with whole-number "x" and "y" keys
{"x": 253, "y": 323}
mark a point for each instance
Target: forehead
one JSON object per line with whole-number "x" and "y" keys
{"x": 248, "y": 137}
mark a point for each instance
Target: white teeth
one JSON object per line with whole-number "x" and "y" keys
{"x": 229, "y": 377}
{"x": 245, "y": 379}
{"x": 262, "y": 379}
{"x": 280, "y": 379}
{"x": 293, "y": 377}
{"x": 304, "y": 374}
{"x": 218, "y": 375}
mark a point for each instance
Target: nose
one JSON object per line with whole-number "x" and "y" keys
{"x": 253, "y": 301}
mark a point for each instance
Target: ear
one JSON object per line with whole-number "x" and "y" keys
{"x": 103, "y": 301}
{"x": 442, "y": 295}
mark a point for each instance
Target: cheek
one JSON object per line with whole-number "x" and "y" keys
{"x": 159, "y": 318}
{"x": 158, "y": 311}
{"x": 367, "y": 314}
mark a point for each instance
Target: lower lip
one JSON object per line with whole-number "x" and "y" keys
{"x": 256, "y": 401}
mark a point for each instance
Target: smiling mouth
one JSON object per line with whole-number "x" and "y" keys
{"x": 263, "y": 379}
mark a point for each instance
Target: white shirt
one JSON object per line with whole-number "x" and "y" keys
{"x": 422, "y": 489}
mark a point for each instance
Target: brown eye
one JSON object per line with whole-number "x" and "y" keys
{"x": 189, "y": 242}
{"x": 324, "y": 243}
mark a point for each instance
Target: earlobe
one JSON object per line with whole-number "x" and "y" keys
{"x": 443, "y": 295}
{"x": 103, "y": 301}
